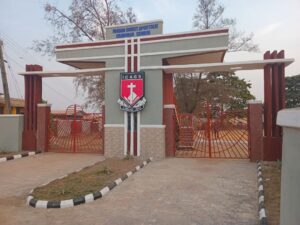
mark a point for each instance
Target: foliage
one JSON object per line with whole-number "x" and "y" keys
{"x": 292, "y": 89}
{"x": 226, "y": 89}
{"x": 105, "y": 170}
{"x": 85, "y": 20}
{"x": 229, "y": 90}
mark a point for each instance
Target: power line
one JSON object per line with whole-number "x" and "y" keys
{"x": 57, "y": 92}
{"x": 18, "y": 47}
{"x": 12, "y": 74}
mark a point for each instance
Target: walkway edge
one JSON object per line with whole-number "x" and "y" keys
{"x": 261, "y": 197}
{"x": 18, "y": 156}
{"x": 36, "y": 203}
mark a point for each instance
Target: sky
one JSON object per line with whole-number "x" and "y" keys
{"x": 274, "y": 23}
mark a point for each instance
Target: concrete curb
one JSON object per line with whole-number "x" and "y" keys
{"x": 18, "y": 156}
{"x": 261, "y": 197}
{"x": 31, "y": 201}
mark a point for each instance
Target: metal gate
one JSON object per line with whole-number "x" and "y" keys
{"x": 76, "y": 131}
{"x": 213, "y": 133}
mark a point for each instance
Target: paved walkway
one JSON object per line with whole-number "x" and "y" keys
{"x": 172, "y": 191}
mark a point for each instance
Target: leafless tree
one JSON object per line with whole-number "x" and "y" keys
{"x": 209, "y": 15}
{"x": 85, "y": 20}
{"x": 191, "y": 89}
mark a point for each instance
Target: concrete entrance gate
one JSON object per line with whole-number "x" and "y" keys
{"x": 143, "y": 47}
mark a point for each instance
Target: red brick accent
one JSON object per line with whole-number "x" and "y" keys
{"x": 255, "y": 127}
{"x": 33, "y": 96}
{"x": 43, "y": 121}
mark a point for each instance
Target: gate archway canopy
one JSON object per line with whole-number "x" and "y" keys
{"x": 185, "y": 68}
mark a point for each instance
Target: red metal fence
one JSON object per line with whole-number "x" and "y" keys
{"x": 76, "y": 132}
{"x": 213, "y": 133}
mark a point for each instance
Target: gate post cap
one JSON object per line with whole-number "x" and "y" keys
{"x": 254, "y": 102}
{"x": 43, "y": 105}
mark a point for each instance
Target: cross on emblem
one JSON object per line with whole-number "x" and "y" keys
{"x": 132, "y": 94}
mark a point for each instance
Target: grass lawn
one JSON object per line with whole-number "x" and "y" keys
{"x": 86, "y": 181}
{"x": 272, "y": 179}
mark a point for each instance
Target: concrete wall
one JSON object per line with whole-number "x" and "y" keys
{"x": 289, "y": 119}
{"x": 11, "y": 128}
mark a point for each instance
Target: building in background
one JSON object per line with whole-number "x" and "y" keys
{"x": 17, "y": 105}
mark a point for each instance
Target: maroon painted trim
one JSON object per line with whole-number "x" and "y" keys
{"x": 223, "y": 56}
{"x": 135, "y": 69}
{"x": 135, "y": 64}
{"x": 79, "y": 45}
{"x": 267, "y": 98}
{"x": 282, "y": 80}
{"x": 129, "y": 64}
{"x": 91, "y": 44}
{"x": 135, "y": 48}
{"x": 185, "y": 35}
{"x": 275, "y": 93}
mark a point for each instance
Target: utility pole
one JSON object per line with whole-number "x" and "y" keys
{"x": 7, "y": 108}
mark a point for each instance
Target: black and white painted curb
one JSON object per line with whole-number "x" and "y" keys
{"x": 261, "y": 196}
{"x": 18, "y": 156}
{"x": 83, "y": 199}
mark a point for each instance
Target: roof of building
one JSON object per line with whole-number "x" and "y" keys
{"x": 15, "y": 102}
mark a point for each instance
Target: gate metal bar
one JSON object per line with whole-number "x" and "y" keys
{"x": 220, "y": 134}
{"x": 76, "y": 132}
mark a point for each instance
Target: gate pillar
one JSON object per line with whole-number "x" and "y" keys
{"x": 255, "y": 130}
{"x": 43, "y": 121}
{"x": 33, "y": 96}
{"x": 274, "y": 91}
{"x": 169, "y": 116}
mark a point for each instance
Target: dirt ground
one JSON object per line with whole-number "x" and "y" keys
{"x": 88, "y": 180}
{"x": 272, "y": 180}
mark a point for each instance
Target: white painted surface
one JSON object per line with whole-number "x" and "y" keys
{"x": 104, "y": 191}
{"x": 66, "y": 203}
{"x": 89, "y": 198}
{"x": 289, "y": 118}
{"x": 41, "y": 204}
{"x": 118, "y": 181}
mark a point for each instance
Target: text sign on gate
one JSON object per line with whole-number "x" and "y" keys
{"x": 134, "y": 30}
{"x": 132, "y": 91}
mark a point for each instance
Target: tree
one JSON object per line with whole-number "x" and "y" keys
{"x": 209, "y": 15}
{"x": 193, "y": 91}
{"x": 192, "y": 88}
{"x": 292, "y": 89}
{"x": 85, "y": 20}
